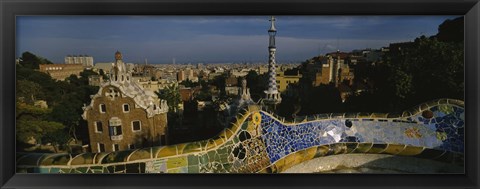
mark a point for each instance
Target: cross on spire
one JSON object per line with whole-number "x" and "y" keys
{"x": 272, "y": 20}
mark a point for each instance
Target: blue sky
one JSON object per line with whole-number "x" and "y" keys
{"x": 192, "y": 39}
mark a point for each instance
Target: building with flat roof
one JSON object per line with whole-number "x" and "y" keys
{"x": 61, "y": 71}
{"x": 284, "y": 80}
{"x": 85, "y": 60}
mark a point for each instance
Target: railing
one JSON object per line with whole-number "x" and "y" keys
{"x": 116, "y": 137}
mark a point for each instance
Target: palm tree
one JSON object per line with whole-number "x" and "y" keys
{"x": 172, "y": 95}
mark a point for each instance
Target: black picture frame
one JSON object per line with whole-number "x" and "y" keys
{"x": 10, "y": 9}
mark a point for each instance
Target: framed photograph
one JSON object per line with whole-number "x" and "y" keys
{"x": 239, "y": 94}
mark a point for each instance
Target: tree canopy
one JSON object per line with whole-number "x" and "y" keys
{"x": 430, "y": 69}
{"x": 172, "y": 95}
{"x": 32, "y": 123}
{"x": 32, "y": 61}
{"x": 65, "y": 99}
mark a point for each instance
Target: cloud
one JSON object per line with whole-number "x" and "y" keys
{"x": 212, "y": 38}
{"x": 203, "y": 48}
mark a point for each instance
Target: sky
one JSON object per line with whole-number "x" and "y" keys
{"x": 212, "y": 39}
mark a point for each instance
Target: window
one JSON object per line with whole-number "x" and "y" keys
{"x": 126, "y": 108}
{"x": 103, "y": 108}
{"x": 131, "y": 146}
{"x": 98, "y": 127}
{"x": 136, "y": 125}
{"x": 115, "y": 130}
{"x": 101, "y": 147}
{"x": 116, "y": 147}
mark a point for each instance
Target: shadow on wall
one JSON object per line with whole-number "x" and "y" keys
{"x": 373, "y": 163}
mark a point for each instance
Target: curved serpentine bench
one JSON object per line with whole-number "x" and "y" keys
{"x": 258, "y": 142}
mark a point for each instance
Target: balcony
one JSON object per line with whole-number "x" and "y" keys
{"x": 116, "y": 137}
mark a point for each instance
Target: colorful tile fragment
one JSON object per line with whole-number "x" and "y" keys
{"x": 260, "y": 142}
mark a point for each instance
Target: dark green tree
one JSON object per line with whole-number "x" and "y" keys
{"x": 451, "y": 30}
{"x": 102, "y": 73}
{"x": 32, "y": 61}
{"x": 172, "y": 95}
{"x": 58, "y": 139}
{"x": 68, "y": 112}
{"x": 64, "y": 98}
{"x": 29, "y": 91}
{"x": 287, "y": 107}
{"x": 426, "y": 69}
{"x": 31, "y": 123}
{"x": 257, "y": 84}
{"x": 189, "y": 83}
{"x": 430, "y": 69}
{"x": 219, "y": 82}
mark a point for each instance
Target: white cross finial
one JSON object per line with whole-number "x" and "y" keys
{"x": 272, "y": 19}
{"x": 272, "y": 28}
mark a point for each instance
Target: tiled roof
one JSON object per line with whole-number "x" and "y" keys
{"x": 144, "y": 99}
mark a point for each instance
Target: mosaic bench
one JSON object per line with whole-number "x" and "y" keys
{"x": 259, "y": 142}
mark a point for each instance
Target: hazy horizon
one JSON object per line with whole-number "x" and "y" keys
{"x": 212, "y": 39}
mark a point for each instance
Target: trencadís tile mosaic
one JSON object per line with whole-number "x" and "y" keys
{"x": 258, "y": 142}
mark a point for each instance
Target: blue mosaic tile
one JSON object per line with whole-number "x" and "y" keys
{"x": 398, "y": 131}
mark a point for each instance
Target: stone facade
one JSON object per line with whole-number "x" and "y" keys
{"x": 180, "y": 76}
{"x": 61, "y": 71}
{"x": 284, "y": 80}
{"x": 333, "y": 68}
{"x": 154, "y": 86}
{"x": 122, "y": 115}
{"x": 323, "y": 77}
{"x": 152, "y": 131}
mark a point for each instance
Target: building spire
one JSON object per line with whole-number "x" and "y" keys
{"x": 272, "y": 97}
{"x": 118, "y": 55}
{"x": 119, "y": 72}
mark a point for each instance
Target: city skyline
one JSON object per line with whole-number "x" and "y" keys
{"x": 212, "y": 39}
